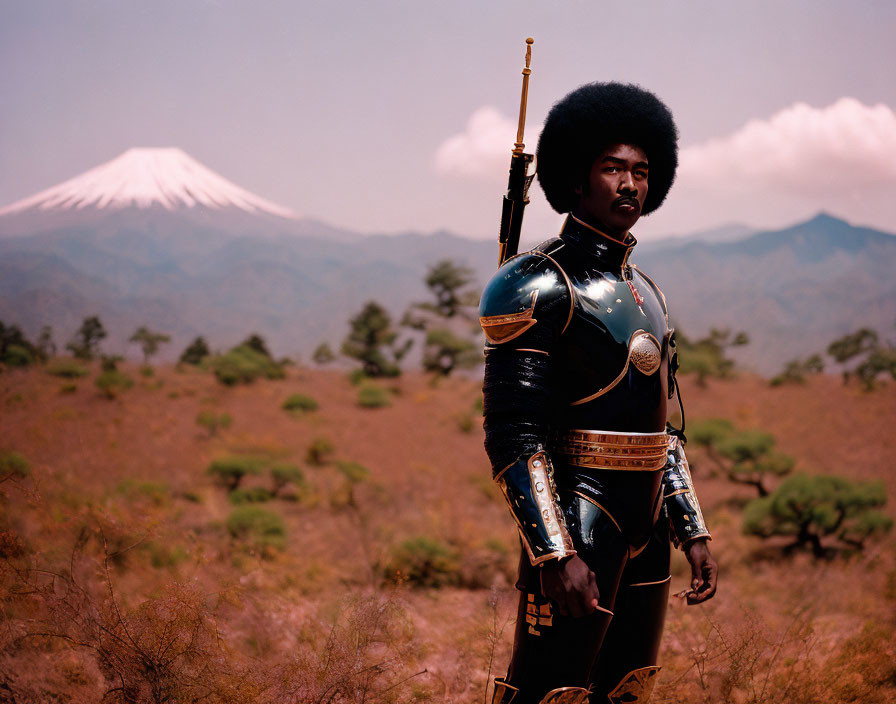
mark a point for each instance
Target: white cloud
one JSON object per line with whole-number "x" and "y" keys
{"x": 482, "y": 150}
{"x": 776, "y": 171}
{"x": 816, "y": 151}
{"x": 769, "y": 173}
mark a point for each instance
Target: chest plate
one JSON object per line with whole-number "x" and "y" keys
{"x": 613, "y": 357}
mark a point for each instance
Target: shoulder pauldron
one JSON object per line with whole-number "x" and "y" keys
{"x": 528, "y": 290}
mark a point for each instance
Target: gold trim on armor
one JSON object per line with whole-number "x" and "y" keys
{"x": 636, "y": 687}
{"x": 592, "y": 501}
{"x": 629, "y": 244}
{"x": 647, "y": 584}
{"x": 676, "y": 493}
{"x": 609, "y": 450}
{"x": 534, "y": 560}
{"x": 503, "y": 328}
{"x": 572, "y": 291}
{"x": 628, "y": 360}
{"x": 637, "y": 551}
{"x": 658, "y": 289}
{"x": 500, "y": 474}
{"x": 501, "y": 690}
{"x": 525, "y": 349}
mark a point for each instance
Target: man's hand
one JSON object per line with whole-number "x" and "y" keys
{"x": 704, "y": 571}
{"x": 571, "y": 586}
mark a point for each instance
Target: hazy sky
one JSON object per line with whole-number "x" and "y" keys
{"x": 389, "y": 116}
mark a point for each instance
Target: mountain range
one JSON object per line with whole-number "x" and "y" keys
{"x": 155, "y": 238}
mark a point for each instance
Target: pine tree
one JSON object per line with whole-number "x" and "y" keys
{"x": 86, "y": 342}
{"x": 370, "y": 338}
{"x": 195, "y": 352}
{"x": 810, "y": 509}
{"x": 744, "y": 456}
{"x": 149, "y": 341}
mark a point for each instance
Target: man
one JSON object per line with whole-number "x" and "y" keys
{"x": 580, "y": 364}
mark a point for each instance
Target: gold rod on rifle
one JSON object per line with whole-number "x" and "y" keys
{"x": 518, "y": 145}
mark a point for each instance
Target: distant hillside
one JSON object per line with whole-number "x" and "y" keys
{"x": 793, "y": 290}
{"x": 229, "y": 269}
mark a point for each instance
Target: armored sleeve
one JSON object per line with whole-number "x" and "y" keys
{"x": 679, "y": 497}
{"x": 524, "y": 309}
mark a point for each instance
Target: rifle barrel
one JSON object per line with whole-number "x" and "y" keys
{"x": 518, "y": 146}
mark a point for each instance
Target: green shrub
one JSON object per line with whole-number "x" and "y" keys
{"x": 353, "y": 471}
{"x": 157, "y": 493}
{"x": 795, "y": 370}
{"x": 259, "y": 527}
{"x": 67, "y": 368}
{"x": 243, "y": 365}
{"x": 230, "y": 470}
{"x": 354, "y": 474}
{"x": 284, "y": 473}
{"x": 213, "y": 422}
{"x": 17, "y": 356}
{"x": 323, "y": 354}
{"x": 356, "y": 377}
{"x": 300, "y": 403}
{"x": 109, "y": 362}
{"x": 252, "y": 495}
{"x": 319, "y": 452}
{"x": 423, "y": 562}
{"x": 15, "y": 349}
{"x": 113, "y": 382}
{"x": 68, "y": 388}
{"x": 13, "y": 464}
{"x": 162, "y": 556}
{"x": 147, "y": 371}
{"x": 370, "y": 396}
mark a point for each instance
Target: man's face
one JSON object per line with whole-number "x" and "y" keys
{"x": 613, "y": 198}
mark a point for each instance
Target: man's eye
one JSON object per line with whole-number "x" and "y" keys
{"x": 641, "y": 174}
{"x": 611, "y": 169}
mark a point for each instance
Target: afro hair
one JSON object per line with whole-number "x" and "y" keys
{"x": 590, "y": 119}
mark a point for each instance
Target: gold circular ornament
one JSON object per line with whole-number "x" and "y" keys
{"x": 645, "y": 353}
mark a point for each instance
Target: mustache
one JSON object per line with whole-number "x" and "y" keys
{"x": 627, "y": 200}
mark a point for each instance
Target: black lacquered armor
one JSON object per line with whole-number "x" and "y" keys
{"x": 579, "y": 371}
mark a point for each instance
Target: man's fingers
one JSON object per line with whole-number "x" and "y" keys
{"x": 592, "y": 596}
{"x": 704, "y": 587}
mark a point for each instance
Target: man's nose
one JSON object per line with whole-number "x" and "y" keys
{"x": 627, "y": 184}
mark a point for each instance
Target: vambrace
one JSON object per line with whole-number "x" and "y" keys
{"x": 680, "y": 498}
{"x": 528, "y": 486}
{"x": 516, "y": 406}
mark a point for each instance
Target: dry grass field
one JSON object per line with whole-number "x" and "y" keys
{"x": 128, "y": 574}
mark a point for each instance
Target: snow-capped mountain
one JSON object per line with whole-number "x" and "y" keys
{"x": 154, "y": 238}
{"x": 147, "y": 177}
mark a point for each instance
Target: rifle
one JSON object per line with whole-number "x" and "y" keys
{"x": 521, "y": 175}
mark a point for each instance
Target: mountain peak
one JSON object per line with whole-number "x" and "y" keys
{"x": 823, "y": 218}
{"x": 144, "y": 177}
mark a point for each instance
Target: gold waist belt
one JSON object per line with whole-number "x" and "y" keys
{"x": 609, "y": 450}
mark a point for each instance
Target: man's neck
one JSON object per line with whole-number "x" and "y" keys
{"x": 594, "y": 224}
